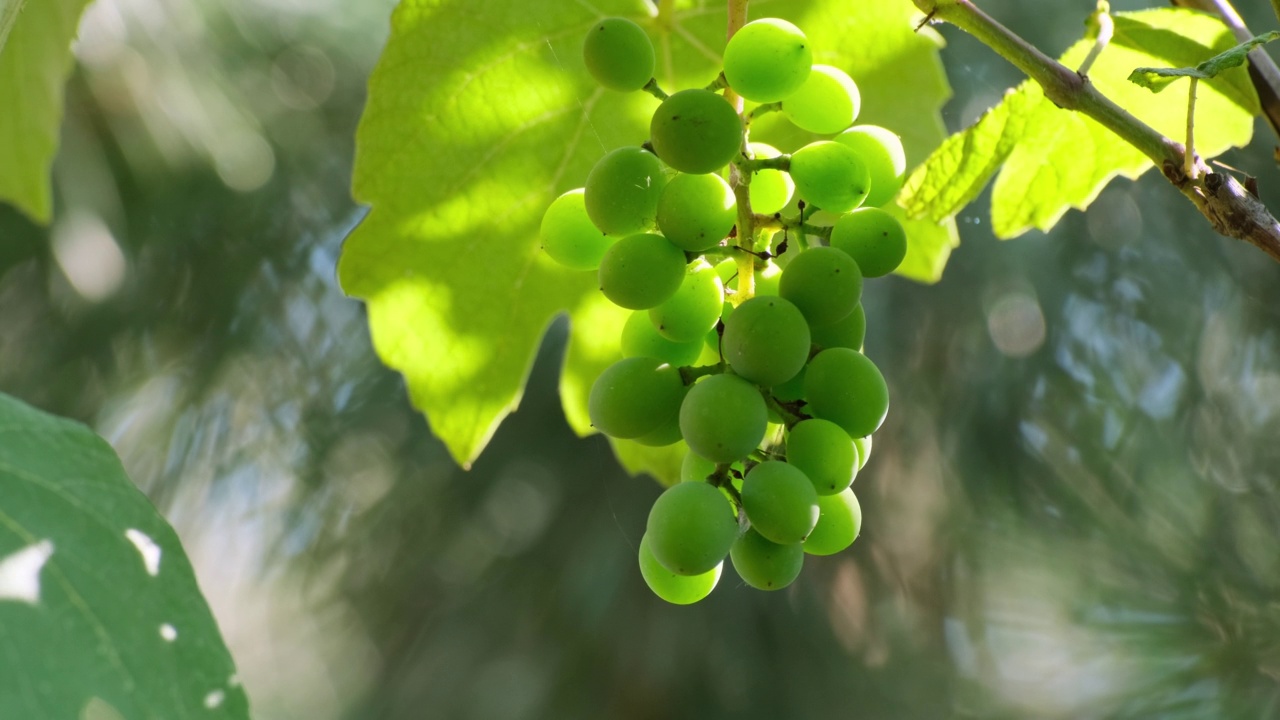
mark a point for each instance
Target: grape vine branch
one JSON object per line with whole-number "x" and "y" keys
{"x": 1230, "y": 209}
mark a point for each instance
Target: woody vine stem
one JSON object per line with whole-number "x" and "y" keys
{"x": 1230, "y": 209}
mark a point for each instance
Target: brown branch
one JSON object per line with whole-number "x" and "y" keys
{"x": 1230, "y": 209}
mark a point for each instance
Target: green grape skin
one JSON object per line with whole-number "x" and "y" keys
{"x": 634, "y": 397}
{"x": 695, "y": 307}
{"x": 829, "y": 175}
{"x": 826, "y": 103}
{"x": 770, "y": 190}
{"x": 766, "y": 565}
{"x": 873, "y": 238}
{"x": 641, "y": 271}
{"x": 696, "y": 131}
{"x": 768, "y": 279}
{"x": 668, "y": 433}
{"x": 766, "y": 340}
{"x": 767, "y": 60}
{"x": 619, "y": 55}
{"x": 849, "y": 332}
{"x": 881, "y": 150}
{"x": 864, "y": 450}
{"x": 780, "y": 502}
{"x": 569, "y": 237}
{"x": 839, "y": 522}
{"x": 641, "y": 339}
{"x": 723, "y": 418}
{"x": 622, "y": 191}
{"x": 845, "y": 387}
{"x": 695, "y": 468}
{"x": 696, "y": 212}
{"x": 691, "y": 528}
{"x": 824, "y": 453}
{"x": 824, "y": 283}
{"x": 791, "y": 390}
{"x": 675, "y": 589}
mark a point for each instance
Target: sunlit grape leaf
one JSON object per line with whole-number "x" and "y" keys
{"x": 1050, "y": 160}
{"x": 479, "y": 114}
{"x": 34, "y": 62}
{"x": 100, "y": 614}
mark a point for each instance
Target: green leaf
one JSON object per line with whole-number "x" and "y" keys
{"x": 1157, "y": 79}
{"x": 479, "y": 114}
{"x": 34, "y": 63}
{"x": 1050, "y": 160}
{"x": 99, "y": 608}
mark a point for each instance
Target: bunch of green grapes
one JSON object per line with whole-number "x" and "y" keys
{"x": 744, "y": 344}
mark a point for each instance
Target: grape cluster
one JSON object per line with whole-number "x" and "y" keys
{"x": 746, "y": 345}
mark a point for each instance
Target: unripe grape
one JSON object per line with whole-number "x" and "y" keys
{"x": 824, "y": 453}
{"x": 723, "y": 418}
{"x": 641, "y": 339}
{"x": 873, "y": 238}
{"x": 768, "y": 279}
{"x": 886, "y": 161}
{"x": 687, "y": 315}
{"x": 864, "y": 450}
{"x": 695, "y": 468}
{"x": 696, "y": 131}
{"x": 618, "y": 54}
{"x": 770, "y": 189}
{"x": 829, "y": 175}
{"x": 780, "y": 502}
{"x": 826, "y": 103}
{"x": 843, "y": 386}
{"x": 622, "y": 191}
{"x": 790, "y": 390}
{"x": 767, "y": 60}
{"x": 691, "y": 528}
{"x": 641, "y": 271}
{"x": 668, "y": 433}
{"x": 850, "y": 332}
{"x": 675, "y": 589}
{"x": 839, "y": 522}
{"x": 824, "y": 283}
{"x": 696, "y": 212}
{"x": 569, "y": 236}
{"x": 766, "y": 340}
{"x": 766, "y": 565}
{"x": 634, "y": 397}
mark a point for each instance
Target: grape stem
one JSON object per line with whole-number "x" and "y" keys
{"x": 690, "y": 373}
{"x": 777, "y": 221}
{"x": 723, "y": 479}
{"x": 652, "y": 88}
{"x": 761, "y": 110}
{"x": 750, "y": 165}
{"x": 738, "y": 180}
{"x": 790, "y": 412}
{"x": 1230, "y": 209}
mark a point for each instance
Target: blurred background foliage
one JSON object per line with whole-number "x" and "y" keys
{"x": 1072, "y": 511}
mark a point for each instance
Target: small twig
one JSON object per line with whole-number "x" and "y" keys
{"x": 1106, "y": 28}
{"x": 652, "y": 88}
{"x": 1189, "y": 158}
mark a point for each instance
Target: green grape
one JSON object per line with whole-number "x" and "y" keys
{"x": 843, "y": 386}
{"x": 696, "y": 212}
{"x": 780, "y": 502}
{"x": 687, "y": 315}
{"x": 675, "y": 589}
{"x": 873, "y": 238}
{"x": 826, "y": 103}
{"x": 691, "y": 528}
{"x": 618, "y": 54}
{"x": 622, "y": 191}
{"x": 641, "y": 339}
{"x": 766, "y": 565}
{"x": 569, "y": 236}
{"x": 839, "y": 523}
{"x": 770, "y": 190}
{"x": 847, "y": 333}
{"x": 766, "y": 340}
{"x": 695, "y": 468}
{"x": 723, "y": 418}
{"x": 634, "y": 397}
{"x": 713, "y": 336}
{"x": 824, "y": 453}
{"x": 641, "y": 271}
{"x": 824, "y": 283}
{"x": 767, "y": 60}
{"x": 864, "y": 450}
{"x": 768, "y": 279}
{"x": 827, "y": 175}
{"x": 790, "y": 390}
{"x": 886, "y": 161}
{"x": 668, "y": 433}
{"x": 696, "y": 131}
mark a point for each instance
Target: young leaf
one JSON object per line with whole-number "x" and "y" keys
{"x": 1157, "y": 79}
{"x": 34, "y": 62}
{"x": 99, "y": 608}
{"x": 1050, "y": 160}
